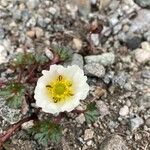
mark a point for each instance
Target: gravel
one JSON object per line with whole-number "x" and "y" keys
{"x": 116, "y": 62}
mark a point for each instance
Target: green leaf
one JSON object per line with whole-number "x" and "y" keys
{"x": 29, "y": 59}
{"x": 63, "y": 52}
{"x": 91, "y": 113}
{"x": 14, "y": 94}
{"x": 45, "y": 131}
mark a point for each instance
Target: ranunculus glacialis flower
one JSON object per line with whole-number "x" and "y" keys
{"x": 61, "y": 89}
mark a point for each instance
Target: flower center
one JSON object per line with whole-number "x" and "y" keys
{"x": 60, "y": 89}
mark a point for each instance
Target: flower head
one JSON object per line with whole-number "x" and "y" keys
{"x": 61, "y": 89}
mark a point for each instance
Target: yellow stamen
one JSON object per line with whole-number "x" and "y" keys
{"x": 60, "y": 89}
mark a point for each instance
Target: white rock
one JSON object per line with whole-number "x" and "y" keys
{"x": 77, "y": 44}
{"x": 136, "y": 122}
{"x": 27, "y": 125}
{"x": 3, "y": 54}
{"x": 88, "y": 134}
{"x": 39, "y": 32}
{"x": 52, "y": 10}
{"x": 124, "y": 111}
{"x": 49, "y": 54}
{"x": 104, "y": 3}
{"x": 32, "y": 4}
{"x": 145, "y": 46}
{"x": 80, "y": 119}
{"x": 95, "y": 39}
{"x": 93, "y": 1}
{"x": 73, "y": 9}
{"x": 142, "y": 55}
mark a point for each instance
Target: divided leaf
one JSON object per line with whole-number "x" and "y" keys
{"x": 14, "y": 94}
{"x": 29, "y": 59}
{"x": 63, "y": 52}
{"x": 91, "y": 113}
{"x": 45, "y": 131}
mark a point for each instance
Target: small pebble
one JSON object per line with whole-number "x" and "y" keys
{"x": 88, "y": 134}
{"x": 124, "y": 111}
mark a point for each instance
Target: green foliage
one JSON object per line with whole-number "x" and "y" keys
{"x": 63, "y": 52}
{"x": 14, "y": 94}
{"x": 29, "y": 59}
{"x": 45, "y": 131}
{"x": 91, "y": 113}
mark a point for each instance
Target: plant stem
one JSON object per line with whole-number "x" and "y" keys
{"x": 5, "y": 136}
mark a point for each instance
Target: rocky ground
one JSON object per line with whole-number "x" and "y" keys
{"x": 110, "y": 40}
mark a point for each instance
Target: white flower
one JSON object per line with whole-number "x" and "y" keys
{"x": 61, "y": 89}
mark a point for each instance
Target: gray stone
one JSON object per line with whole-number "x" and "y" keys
{"x": 17, "y": 15}
{"x": 147, "y": 35}
{"x": 25, "y": 15}
{"x": 84, "y": 7}
{"x": 117, "y": 28}
{"x": 113, "y": 19}
{"x": 120, "y": 79}
{"x": 108, "y": 77}
{"x": 94, "y": 69}
{"x": 133, "y": 43}
{"x": 41, "y": 22}
{"x": 148, "y": 122}
{"x": 105, "y": 59}
{"x": 2, "y": 33}
{"x": 136, "y": 122}
{"x": 144, "y": 101}
{"x": 32, "y": 4}
{"x": 141, "y": 23}
{"x": 77, "y": 59}
{"x": 146, "y": 74}
{"x": 143, "y": 3}
{"x": 103, "y": 108}
{"x": 115, "y": 142}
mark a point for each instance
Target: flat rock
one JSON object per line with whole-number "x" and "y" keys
{"x": 136, "y": 122}
{"x": 141, "y": 22}
{"x": 115, "y": 142}
{"x": 94, "y": 69}
{"x": 105, "y": 59}
{"x": 77, "y": 59}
